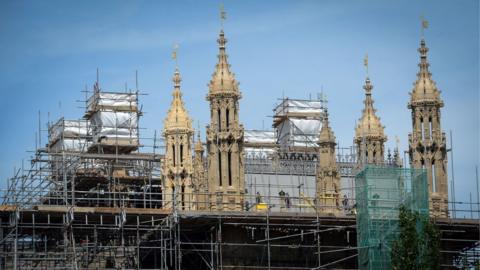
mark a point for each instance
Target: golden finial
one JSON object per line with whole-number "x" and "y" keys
{"x": 424, "y": 25}
{"x": 174, "y": 54}
{"x": 223, "y": 14}
{"x": 365, "y": 63}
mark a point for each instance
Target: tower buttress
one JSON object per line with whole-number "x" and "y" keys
{"x": 328, "y": 176}
{"x": 427, "y": 143}
{"x": 226, "y": 173}
{"x": 178, "y": 166}
{"x": 199, "y": 180}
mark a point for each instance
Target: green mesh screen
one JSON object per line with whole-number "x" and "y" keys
{"x": 379, "y": 193}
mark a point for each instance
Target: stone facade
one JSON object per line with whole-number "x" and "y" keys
{"x": 199, "y": 183}
{"x": 226, "y": 172}
{"x": 328, "y": 175}
{"x": 427, "y": 143}
{"x": 178, "y": 165}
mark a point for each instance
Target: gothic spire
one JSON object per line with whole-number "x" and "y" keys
{"x": 326, "y": 133}
{"x": 425, "y": 89}
{"x": 198, "y": 143}
{"x": 177, "y": 116}
{"x": 369, "y": 124}
{"x": 223, "y": 80}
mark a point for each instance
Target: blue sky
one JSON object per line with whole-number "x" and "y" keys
{"x": 50, "y": 50}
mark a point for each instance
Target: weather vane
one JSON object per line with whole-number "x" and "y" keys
{"x": 424, "y": 25}
{"x": 223, "y": 14}
{"x": 174, "y": 54}
{"x": 365, "y": 62}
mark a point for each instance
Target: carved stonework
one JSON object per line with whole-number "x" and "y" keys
{"x": 427, "y": 143}
{"x": 199, "y": 183}
{"x": 178, "y": 165}
{"x": 369, "y": 132}
{"x": 226, "y": 172}
{"x": 328, "y": 177}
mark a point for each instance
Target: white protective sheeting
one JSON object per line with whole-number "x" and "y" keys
{"x": 299, "y": 132}
{"x": 122, "y": 101}
{"x": 298, "y": 106}
{"x": 307, "y": 126}
{"x": 114, "y": 124}
{"x": 259, "y": 136}
{"x": 68, "y": 129}
{"x": 107, "y": 119}
{"x": 66, "y": 144}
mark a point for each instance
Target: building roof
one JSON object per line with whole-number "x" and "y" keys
{"x": 425, "y": 90}
{"x": 177, "y": 117}
{"x": 369, "y": 125}
{"x": 223, "y": 80}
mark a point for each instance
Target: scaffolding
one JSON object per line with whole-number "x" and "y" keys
{"x": 93, "y": 199}
{"x": 380, "y": 193}
{"x": 297, "y": 123}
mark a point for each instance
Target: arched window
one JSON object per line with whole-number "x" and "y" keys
{"x": 229, "y": 168}
{"x": 219, "y": 168}
{"x": 181, "y": 154}
{"x": 174, "y": 156}
{"x": 422, "y": 128}
{"x": 434, "y": 176}
{"x": 219, "y": 117}
{"x": 227, "y": 112}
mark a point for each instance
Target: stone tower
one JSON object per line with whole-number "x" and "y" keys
{"x": 199, "y": 179}
{"x": 427, "y": 144}
{"x": 178, "y": 166}
{"x": 369, "y": 133}
{"x": 328, "y": 176}
{"x": 226, "y": 173}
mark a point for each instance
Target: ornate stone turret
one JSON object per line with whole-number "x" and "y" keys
{"x": 427, "y": 143}
{"x": 199, "y": 180}
{"x": 369, "y": 133}
{"x": 178, "y": 166}
{"x": 328, "y": 176}
{"x": 226, "y": 173}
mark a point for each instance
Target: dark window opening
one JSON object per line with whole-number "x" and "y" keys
{"x": 229, "y": 168}
{"x": 183, "y": 197}
{"x": 227, "y": 112}
{"x": 434, "y": 186}
{"x": 430, "y": 127}
{"x": 219, "y": 119}
{"x": 219, "y": 168}
{"x": 174, "y": 156}
{"x": 181, "y": 154}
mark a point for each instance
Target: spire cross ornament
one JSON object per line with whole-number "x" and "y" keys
{"x": 223, "y": 14}
{"x": 174, "y": 54}
{"x": 424, "y": 25}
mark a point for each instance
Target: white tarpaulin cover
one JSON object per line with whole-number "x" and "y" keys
{"x": 66, "y": 144}
{"x": 259, "y": 136}
{"x": 299, "y": 132}
{"x": 68, "y": 129}
{"x": 119, "y": 120}
{"x": 298, "y": 106}
{"x": 113, "y": 100}
{"x": 109, "y": 124}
